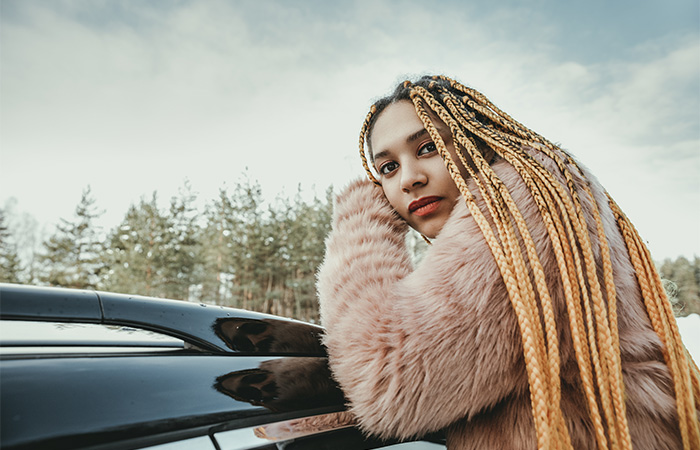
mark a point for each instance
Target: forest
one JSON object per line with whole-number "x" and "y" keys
{"x": 238, "y": 251}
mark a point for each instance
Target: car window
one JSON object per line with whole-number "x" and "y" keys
{"x": 25, "y": 335}
{"x": 323, "y": 432}
{"x": 198, "y": 443}
{"x": 418, "y": 445}
{"x": 261, "y": 436}
{"x": 352, "y": 439}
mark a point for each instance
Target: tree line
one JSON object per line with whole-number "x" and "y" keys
{"x": 238, "y": 251}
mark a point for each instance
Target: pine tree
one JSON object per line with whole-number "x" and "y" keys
{"x": 273, "y": 269}
{"x": 10, "y": 267}
{"x": 248, "y": 243}
{"x": 135, "y": 253}
{"x": 216, "y": 251}
{"x": 72, "y": 254}
{"x": 303, "y": 233}
{"x": 181, "y": 247}
{"x": 25, "y": 240}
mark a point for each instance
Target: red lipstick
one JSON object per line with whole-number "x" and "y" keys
{"x": 424, "y": 205}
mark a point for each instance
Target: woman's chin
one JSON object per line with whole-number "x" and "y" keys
{"x": 430, "y": 227}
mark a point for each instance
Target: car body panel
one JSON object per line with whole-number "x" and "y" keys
{"x": 69, "y": 305}
{"x": 73, "y": 376}
{"x": 50, "y": 400}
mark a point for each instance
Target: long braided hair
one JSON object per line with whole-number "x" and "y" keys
{"x": 473, "y": 119}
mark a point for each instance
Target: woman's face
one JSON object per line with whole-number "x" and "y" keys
{"x": 413, "y": 175}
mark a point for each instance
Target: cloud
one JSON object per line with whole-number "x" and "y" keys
{"x": 133, "y": 96}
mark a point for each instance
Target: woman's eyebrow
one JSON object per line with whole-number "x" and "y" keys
{"x": 379, "y": 155}
{"x": 417, "y": 135}
{"x": 409, "y": 139}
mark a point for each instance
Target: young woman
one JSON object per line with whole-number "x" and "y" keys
{"x": 536, "y": 318}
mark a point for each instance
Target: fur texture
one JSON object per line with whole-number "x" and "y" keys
{"x": 438, "y": 346}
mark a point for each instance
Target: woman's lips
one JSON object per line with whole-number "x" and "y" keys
{"x": 424, "y": 205}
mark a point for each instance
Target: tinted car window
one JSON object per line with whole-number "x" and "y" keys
{"x": 25, "y": 336}
{"x": 198, "y": 443}
{"x": 418, "y": 445}
{"x": 333, "y": 431}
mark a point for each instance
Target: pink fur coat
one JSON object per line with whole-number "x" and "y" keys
{"x": 438, "y": 346}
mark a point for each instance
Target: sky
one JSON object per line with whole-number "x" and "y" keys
{"x": 689, "y": 328}
{"x": 132, "y": 97}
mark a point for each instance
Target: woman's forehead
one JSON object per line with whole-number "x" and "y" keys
{"x": 397, "y": 124}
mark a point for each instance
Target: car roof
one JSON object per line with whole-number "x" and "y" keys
{"x": 215, "y": 329}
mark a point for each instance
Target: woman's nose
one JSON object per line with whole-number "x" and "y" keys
{"x": 412, "y": 176}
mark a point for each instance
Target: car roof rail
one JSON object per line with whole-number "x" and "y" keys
{"x": 211, "y": 328}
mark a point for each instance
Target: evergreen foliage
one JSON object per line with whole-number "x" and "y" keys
{"x": 134, "y": 255}
{"x": 181, "y": 246}
{"x": 72, "y": 256}
{"x": 10, "y": 266}
{"x": 217, "y": 251}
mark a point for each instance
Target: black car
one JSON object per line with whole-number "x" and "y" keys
{"x": 85, "y": 369}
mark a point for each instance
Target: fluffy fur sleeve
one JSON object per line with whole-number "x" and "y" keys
{"x": 415, "y": 350}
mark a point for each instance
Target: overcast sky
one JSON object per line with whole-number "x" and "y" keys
{"x": 132, "y": 97}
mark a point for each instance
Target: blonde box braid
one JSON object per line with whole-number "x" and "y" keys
{"x": 592, "y": 319}
{"x": 667, "y": 326}
{"x": 520, "y": 289}
{"x": 605, "y": 397}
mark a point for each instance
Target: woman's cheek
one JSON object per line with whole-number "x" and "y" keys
{"x": 398, "y": 207}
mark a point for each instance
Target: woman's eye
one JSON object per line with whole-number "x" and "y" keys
{"x": 387, "y": 168}
{"x": 427, "y": 148}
